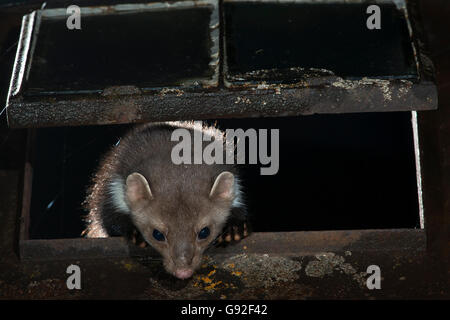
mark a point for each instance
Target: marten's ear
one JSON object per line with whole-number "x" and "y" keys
{"x": 137, "y": 190}
{"x": 223, "y": 187}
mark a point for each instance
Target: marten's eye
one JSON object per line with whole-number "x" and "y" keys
{"x": 158, "y": 235}
{"x": 204, "y": 233}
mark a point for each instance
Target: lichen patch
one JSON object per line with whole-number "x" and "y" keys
{"x": 262, "y": 270}
{"x": 329, "y": 262}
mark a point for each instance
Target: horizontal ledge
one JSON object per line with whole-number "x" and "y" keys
{"x": 169, "y": 105}
{"x": 311, "y": 242}
{"x": 296, "y": 243}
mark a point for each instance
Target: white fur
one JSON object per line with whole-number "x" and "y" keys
{"x": 117, "y": 192}
{"x": 237, "y": 202}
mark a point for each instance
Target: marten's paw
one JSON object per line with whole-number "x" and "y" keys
{"x": 234, "y": 231}
{"x": 138, "y": 240}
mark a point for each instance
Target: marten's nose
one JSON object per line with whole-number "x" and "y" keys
{"x": 183, "y": 254}
{"x": 185, "y": 260}
{"x": 183, "y": 273}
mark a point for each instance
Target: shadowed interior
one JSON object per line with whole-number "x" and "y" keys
{"x": 348, "y": 171}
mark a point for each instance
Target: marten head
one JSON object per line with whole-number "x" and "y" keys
{"x": 181, "y": 224}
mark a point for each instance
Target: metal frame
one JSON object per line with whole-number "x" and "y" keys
{"x": 323, "y": 97}
{"x": 322, "y": 93}
{"x": 272, "y": 243}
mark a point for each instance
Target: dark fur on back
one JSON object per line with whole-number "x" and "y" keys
{"x": 147, "y": 150}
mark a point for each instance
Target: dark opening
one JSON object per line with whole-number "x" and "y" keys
{"x": 332, "y": 36}
{"x": 145, "y": 49}
{"x": 348, "y": 171}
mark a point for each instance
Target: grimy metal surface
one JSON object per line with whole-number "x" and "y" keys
{"x": 272, "y": 243}
{"x": 333, "y": 96}
{"x": 316, "y": 93}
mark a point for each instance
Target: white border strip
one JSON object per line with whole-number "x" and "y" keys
{"x": 128, "y": 8}
{"x": 23, "y": 47}
{"x": 418, "y": 167}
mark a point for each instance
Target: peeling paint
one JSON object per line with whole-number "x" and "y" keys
{"x": 404, "y": 90}
{"x": 165, "y": 91}
{"x": 352, "y": 84}
{"x": 242, "y": 100}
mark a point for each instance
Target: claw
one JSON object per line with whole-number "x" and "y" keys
{"x": 237, "y": 237}
{"x": 235, "y": 231}
{"x": 133, "y": 238}
{"x": 245, "y": 230}
{"x": 138, "y": 240}
{"x": 143, "y": 244}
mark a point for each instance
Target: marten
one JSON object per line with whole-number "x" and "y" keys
{"x": 178, "y": 209}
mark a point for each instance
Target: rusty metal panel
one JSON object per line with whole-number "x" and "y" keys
{"x": 221, "y": 94}
{"x": 119, "y": 48}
